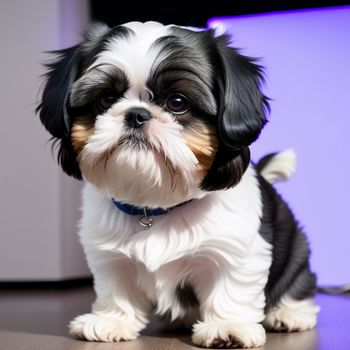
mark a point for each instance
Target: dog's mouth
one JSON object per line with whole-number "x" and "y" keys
{"x": 135, "y": 141}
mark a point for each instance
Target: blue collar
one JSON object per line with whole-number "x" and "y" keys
{"x": 145, "y": 221}
{"x": 132, "y": 210}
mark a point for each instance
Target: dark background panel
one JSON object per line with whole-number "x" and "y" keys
{"x": 191, "y": 13}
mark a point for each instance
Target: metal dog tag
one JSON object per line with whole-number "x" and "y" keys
{"x": 145, "y": 221}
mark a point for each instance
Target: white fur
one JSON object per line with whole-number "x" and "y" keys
{"x": 211, "y": 243}
{"x": 292, "y": 315}
{"x": 229, "y": 334}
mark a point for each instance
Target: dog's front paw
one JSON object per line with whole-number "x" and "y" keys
{"x": 102, "y": 328}
{"x": 226, "y": 334}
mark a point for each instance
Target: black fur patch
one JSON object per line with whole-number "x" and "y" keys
{"x": 242, "y": 105}
{"x": 227, "y": 169}
{"x": 290, "y": 271}
{"x": 52, "y": 109}
{"x": 92, "y": 46}
{"x": 180, "y": 67}
{"x": 187, "y": 296}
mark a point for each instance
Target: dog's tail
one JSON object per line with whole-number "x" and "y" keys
{"x": 277, "y": 167}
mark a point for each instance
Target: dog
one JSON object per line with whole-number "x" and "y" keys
{"x": 176, "y": 219}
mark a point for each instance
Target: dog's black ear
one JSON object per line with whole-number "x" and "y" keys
{"x": 53, "y": 109}
{"x": 241, "y": 113}
{"x": 242, "y": 106}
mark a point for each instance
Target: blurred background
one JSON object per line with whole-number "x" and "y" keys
{"x": 305, "y": 48}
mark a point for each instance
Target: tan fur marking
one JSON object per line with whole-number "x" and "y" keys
{"x": 202, "y": 140}
{"x": 80, "y": 133}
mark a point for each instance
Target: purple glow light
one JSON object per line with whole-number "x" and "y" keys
{"x": 307, "y": 59}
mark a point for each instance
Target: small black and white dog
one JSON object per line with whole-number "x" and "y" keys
{"x": 175, "y": 220}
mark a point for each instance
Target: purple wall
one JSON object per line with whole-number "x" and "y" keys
{"x": 307, "y": 60}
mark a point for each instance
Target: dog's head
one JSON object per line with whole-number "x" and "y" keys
{"x": 152, "y": 115}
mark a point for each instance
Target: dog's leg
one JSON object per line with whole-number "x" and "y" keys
{"x": 230, "y": 324}
{"x": 120, "y": 311}
{"x": 232, "y": 302}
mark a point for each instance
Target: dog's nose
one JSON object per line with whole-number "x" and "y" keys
{"x": 137, "y": 117}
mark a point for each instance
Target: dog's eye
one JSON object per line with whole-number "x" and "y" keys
{"x": 106, "y": 99}
{"x": 178, "y": 104}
